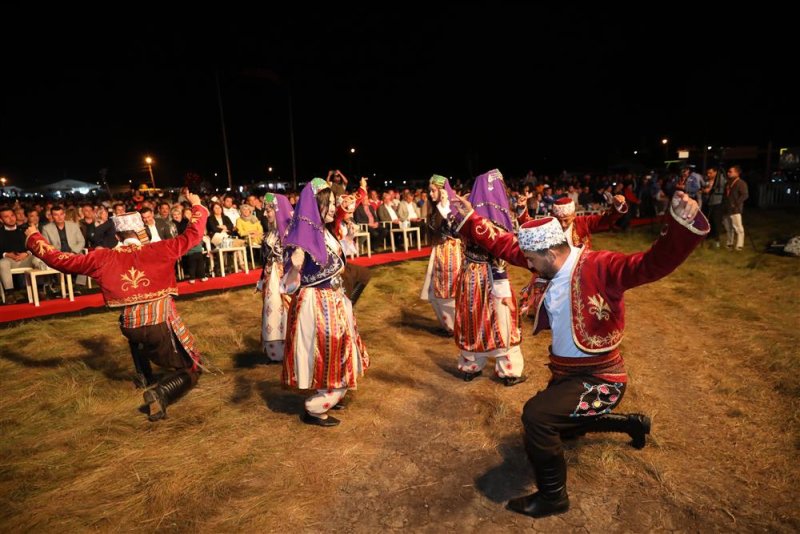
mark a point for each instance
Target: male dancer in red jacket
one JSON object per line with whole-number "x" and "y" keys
{"x": 581, "y": 291}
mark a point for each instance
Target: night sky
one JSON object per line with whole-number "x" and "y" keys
{"x": 454, "y": 90}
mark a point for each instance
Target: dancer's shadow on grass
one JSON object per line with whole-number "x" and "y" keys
{"x": 512, "y": 478}
{"x": 96, "y": 359}
{"x": 281, "y": 400}
{"x": 420, "y": 322}
{"x": 251, "y": 356}
{"x": 447, "y": 363}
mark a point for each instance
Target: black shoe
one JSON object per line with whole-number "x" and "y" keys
{"x": 156, "y": 403}
{"x": 636, "y": 425}
{"x": 514, "y": 380}
{"x": 638, "y": 430}
{"x": 341, "y": 405}
{"x": 551, "y": 479}
{"x": 309, "y": 419}
{"x": 536, "y": 505}
{"x": 444, "y": 332}
{"x": 469, "y": 377}
{"x": 167, "y": 391}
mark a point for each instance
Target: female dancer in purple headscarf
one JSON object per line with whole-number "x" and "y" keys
{"x": 323, "y": 349}
{"x": 487, "y": 318}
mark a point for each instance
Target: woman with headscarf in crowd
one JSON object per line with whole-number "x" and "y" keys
{"x": 248, "y": 224}
{"x": 277, "y": 213}
{"x": 323, "y": 349}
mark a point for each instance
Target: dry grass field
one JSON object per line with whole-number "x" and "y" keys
{"x": 712, "y": 354}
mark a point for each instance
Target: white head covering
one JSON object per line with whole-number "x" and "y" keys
{"x": 563, "y": 207}
{"x": 131, "y": 221}
{"x": 541, "y": 234}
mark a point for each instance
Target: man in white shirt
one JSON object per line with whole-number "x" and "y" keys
{"x": 230, "y": 210}
{"x": 386, "y": 212}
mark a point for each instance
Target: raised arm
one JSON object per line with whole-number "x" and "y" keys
{"x": 685, "y": 228}
{"x": 65, "y": 262}
{"x": 605, "y": 221}
{"x": 191, "y": 237}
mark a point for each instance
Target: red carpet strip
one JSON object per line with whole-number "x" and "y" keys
{"x": 57, "y": 306}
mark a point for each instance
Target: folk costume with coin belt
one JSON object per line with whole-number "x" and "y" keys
{"x": 323, "y": 349}
{"x": 487, "y": 318}
{"x": 275, "y": 309}
{"x": 444, "y": 266}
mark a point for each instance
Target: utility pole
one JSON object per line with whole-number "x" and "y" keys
{"x": 224, "y": 134}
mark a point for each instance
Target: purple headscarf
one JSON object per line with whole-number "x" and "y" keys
{"x": 489, "y": 199}
{"x": 283, "y": 211}
{"x": 306, "y": 229}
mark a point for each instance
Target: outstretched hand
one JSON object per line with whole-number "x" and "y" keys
{"x": 298, "y": 256}
{"x": 30, "y": 230}
{"x": 683, "y": 206}
{"x": 461, "y": 203}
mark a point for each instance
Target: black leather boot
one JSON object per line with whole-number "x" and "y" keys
{"x": 144, "y": 372}
{"x": 167, "y": 391}
{"x": 636, "y": 425}
{"x": 552, "y": 498}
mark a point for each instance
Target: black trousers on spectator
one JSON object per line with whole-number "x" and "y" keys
{"x": 376, "y": 235}
{"x": 715, "y": 214}
{"x": 194, "y": 266}
{"x": 565, "y": 406}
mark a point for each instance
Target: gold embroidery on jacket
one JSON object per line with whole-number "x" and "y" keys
{"x": 43, "y": 247}
{"x": 487, "y": 229}
{"x": 133, "y": 279}
{"x": 599, "y": 307}
{"x": 587, "y": 341}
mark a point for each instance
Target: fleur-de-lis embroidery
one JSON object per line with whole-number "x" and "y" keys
{"x": 133, "y": 279}
{"x": 599, "y": 307}
{"x": 487, "y": 229}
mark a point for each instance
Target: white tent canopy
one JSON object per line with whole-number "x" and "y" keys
{"x": 71, "y": 186}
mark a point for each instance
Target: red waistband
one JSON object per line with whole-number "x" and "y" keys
{"x": 608, "y": 366}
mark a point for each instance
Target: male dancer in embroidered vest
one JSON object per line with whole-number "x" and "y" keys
{"x": 447, "y": 257}
{"x": 487, "y": 318}
{"x": 140, "y": 279}
{"x": 323, "y": 349}
{"x": 582, "y": 293}
{"x": 579, "y": 230}
{"x": 277, "y": 213}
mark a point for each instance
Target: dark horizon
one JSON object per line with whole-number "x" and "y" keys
{"x": 456, "y": 91}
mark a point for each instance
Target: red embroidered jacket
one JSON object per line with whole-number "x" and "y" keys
{"x": 599, "y": 278}
{"x": 128, "y": 274}
{"x": 585, "y": 225}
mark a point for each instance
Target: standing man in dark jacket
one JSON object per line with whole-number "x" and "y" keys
{"x": 735, "y": 194}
